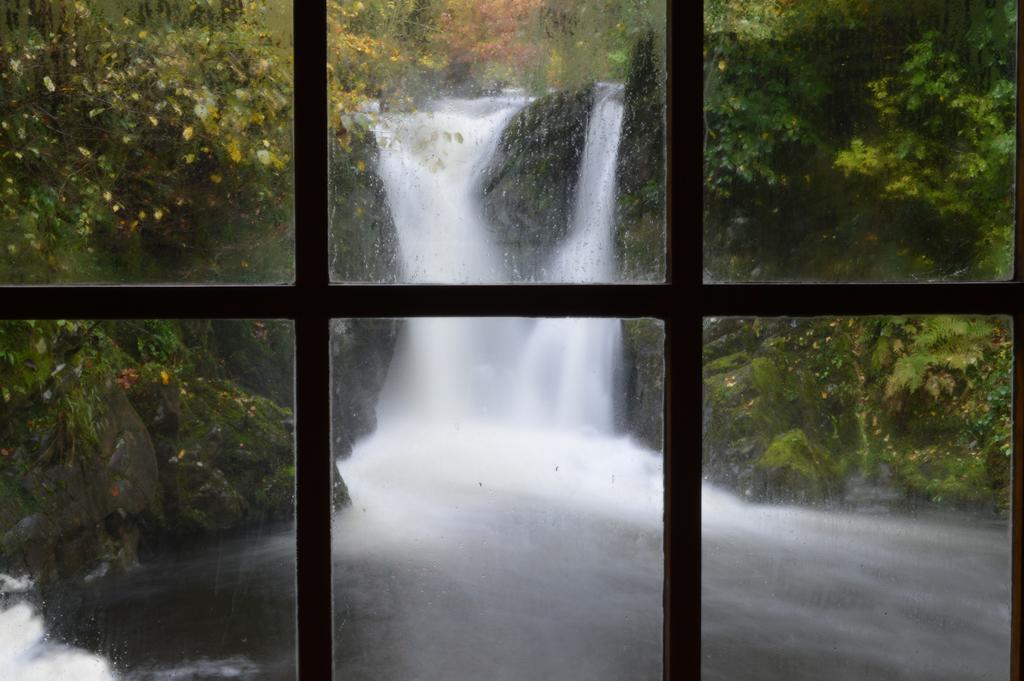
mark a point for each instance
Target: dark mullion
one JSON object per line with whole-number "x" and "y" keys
{"x": 313, "y": 499}
{"x": 310, "y": 298}
{"x": 315, "y": 640}
{"x": 801, "y": 300}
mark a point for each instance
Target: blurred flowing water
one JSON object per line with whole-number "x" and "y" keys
{"x": 222, "y": 610}
{"x": 790, "y": 594}
{"x": 501, "y": 528}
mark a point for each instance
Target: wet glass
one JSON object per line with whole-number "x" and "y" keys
{"x": 146, "y": 142}
{"x": 497, "y": 141}
{"x": 498, "y": 499}
{"x": 856, "y": 498}
{"x": 859, "y": 141}
{"x": 147, "y": 474}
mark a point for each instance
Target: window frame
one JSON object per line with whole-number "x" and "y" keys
{"x": 313, "y": 300}
{"x": 809, "y": 299}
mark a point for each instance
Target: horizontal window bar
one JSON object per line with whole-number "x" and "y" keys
{"x": 859, "y": 299}
{"x": 126, "y": 302}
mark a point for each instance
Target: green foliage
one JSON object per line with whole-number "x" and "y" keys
{"x": 927, "y": 397}
{"x": 847, "y": 140}
{"x": 799, "y": 465}
{"x": 145, "y": 151}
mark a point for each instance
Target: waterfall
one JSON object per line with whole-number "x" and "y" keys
{"x": 495, "y": 508}
{"x": 553, "y": 372}
{"x": 588, "y": 255}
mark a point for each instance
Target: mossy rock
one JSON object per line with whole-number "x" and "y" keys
{"x": 232, "y": 463}
{"x": 364, "y": 242}
{"x": 644, "y": 349}
{"x": 641, "y": 219}
{"x": 529, "y": 188}
{"x": 361, "y": 352}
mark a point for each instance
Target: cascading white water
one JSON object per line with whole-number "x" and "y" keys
{"x": 588, "y": 255}
{"x": 25, "y": 652}
{"x": 522, "y": 535}
{"x": 558, "y": 372}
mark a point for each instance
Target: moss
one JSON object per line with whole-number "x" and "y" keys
{"x": 731, "y": 362}
{"x": 799, "y": 469}
{"x": 529, "y": 187}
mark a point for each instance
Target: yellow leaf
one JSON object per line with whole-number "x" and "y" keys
{"x": 187, "y": 133}
{"x": 158, "y": 214}
{"x": 165, "y": 377}
{"x": 360, "y": 166}
{"x": 154, "y": 121}
{"x": 234, "y": 152}
{"x": 84, "y": 152}
{"x": 181, "y": 455}
{"x": 143, "y": 34}
{"x": 215, "y": 178}
{"x": 48, "y": 82}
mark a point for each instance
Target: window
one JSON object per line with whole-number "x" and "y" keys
{"x": 831, "y": 238}
{"x": 639, "y": 286}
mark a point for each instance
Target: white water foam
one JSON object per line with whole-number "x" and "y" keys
{"x": 25, "y": 652}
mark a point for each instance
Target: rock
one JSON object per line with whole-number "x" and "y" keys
{"x": 361, "y": 352}
{"x": 131, "y": 458}
{"x": 640, "y": 225}
{"x": 232, "y": 463}
{"x": 364, "y": 243}
{"x": 340, "y": 495}
{"x": 70, "y": 531}
{"x": 644, "y": 381}
{"x": 258, "y": 355}
{"x": 529, "y": 186}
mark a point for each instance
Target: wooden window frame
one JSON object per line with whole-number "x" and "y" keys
{"x": 682, "y": 303}
{"x": 312, "y": 301}
{"x": 807, "y": 300}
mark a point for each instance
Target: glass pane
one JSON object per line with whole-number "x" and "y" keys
{"x": 146, "y": 141}
{"x": 498, "y": 509}
{"x": 484, "y": 141}
{"x": 856, "y": 497}
{"x": 147, "y": 473}
{"x": 853, "y": 140}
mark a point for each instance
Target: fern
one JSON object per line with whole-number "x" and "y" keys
{"x": 942, "y": 342}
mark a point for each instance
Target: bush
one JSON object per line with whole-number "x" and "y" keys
{"x": 146, "y": 152}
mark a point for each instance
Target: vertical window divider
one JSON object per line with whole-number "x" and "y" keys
{"x": 314, "y": 617}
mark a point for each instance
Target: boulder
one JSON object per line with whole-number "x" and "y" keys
{"x": 529, "y": 187}
{"x": 640, "y": 221}
{"x": 644, "y": 381}
{"x": 364, "y": 242}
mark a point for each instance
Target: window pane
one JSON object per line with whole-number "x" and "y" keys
{"x": 856, "y": 498}
{"x": 483, "y": 141}
{"x": 859, "y": 140}
{"x": 146, "y": 141}
{"x": 498, "y": 512}
{"x": 147, "y": 500}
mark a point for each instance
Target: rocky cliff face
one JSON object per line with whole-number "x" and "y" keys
{"x": 643, "y": 410}
{"x": 155, "y": 455}
{"x": 529, "y": 187}
{"x": 361, "y": 352}
{"x": 640, "y": 224}
{"x": 364, "y": 244}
